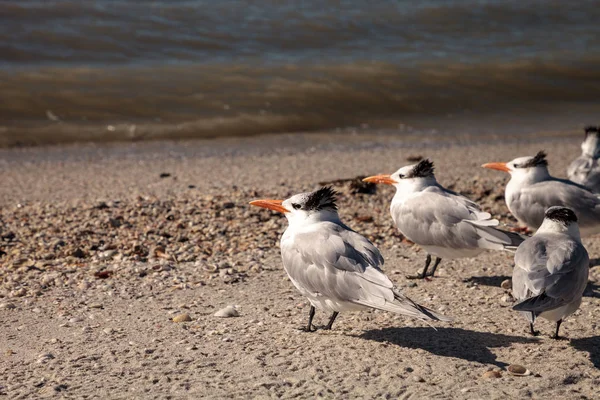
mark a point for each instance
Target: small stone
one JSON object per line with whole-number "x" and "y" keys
{"x": 18, "y": 293}
{"x": 8, "y": 306}
{"x": 518, "y": 370}
{"x": 506, "y": 284}
{"x": 75, "y": 320}
{"x": 417, "y": 378}
{"x": 78, "y": 253}
{"x": 44, "y": 358}
{"x": 108, "y": 331}
{"x": 164, "y": 175}
{"x": 95, "y": 305}
{"x": 227, "y": 312}
{"x": 228, "y": 205}
{"x": 492, "y": 374}
{"x": 182, "y": 318}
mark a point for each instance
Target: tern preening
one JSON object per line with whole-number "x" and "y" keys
{"x": 444, "y": 223}
{"x": 551, "y": 269}
{"x": 585, "y": 169}
{"x": 531, "y": 191}
{"x": 334, "y": 267}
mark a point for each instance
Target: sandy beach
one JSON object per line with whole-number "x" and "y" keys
{"x": 101, "y": 246}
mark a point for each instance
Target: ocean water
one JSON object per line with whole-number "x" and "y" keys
{"x": 99, "y": 70}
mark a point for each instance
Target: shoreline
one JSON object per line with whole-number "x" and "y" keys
{"x": 102, "y": 252}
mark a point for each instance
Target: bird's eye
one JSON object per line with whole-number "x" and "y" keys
{"x": 296, "y": 206}
{"x": 514, "y": 165}
{"x": 401, "y": 176}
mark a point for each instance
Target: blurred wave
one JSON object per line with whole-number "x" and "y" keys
{"x": 107, "y": 69}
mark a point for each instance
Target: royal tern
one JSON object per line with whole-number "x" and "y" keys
{"x": 531, "y": 191}
{"x": 551, "y": 269}
{"x": 585, "y": 169}
{"x": 334, "y": 267}
{"x": 444, "y": 223}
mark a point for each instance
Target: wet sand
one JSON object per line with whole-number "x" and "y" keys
{"x": 101, "y": 252}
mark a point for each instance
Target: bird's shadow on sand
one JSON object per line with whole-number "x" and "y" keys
{"x": 591, "y": 345}
{"x": 488, "y": 280}
{"x": 594, "y": 262}
{"x": 449, "y": 342}
{"x": 592, "y": 290}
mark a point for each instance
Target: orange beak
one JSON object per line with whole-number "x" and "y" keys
{"x": 500, "y": 166}
{"x": 385, "y": 179}
{"x": 274, "y": 205}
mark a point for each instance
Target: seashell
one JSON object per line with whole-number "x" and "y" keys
{"x": 518, "y": 370}
{"x": 227, "y": 312}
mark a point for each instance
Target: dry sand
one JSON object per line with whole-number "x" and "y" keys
{"x": 99, "y": 253}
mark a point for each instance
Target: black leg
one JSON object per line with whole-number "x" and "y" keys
{"x": 437, "y": 262}
{"x": 330, "y": 324}
{"x": 557, "y": 328}
{"x": 532, "y": 331}
{"x": 424, "y": 273}
{"x": 311, "y": 315}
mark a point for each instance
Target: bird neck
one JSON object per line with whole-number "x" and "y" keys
{"x": 550, "y": 226}
{"x": 590, "y": 147}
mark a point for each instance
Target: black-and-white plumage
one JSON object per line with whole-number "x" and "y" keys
{"x": 532, "y": 190}
{"x": 551, "y": 269}
{"x": 334, "y": 267}
{"x": 444, "y": 223}
{"x": 585, "y": 169}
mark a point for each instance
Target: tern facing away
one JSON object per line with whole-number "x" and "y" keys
{"x": 334, "y": 267}
{"x": 585, "y": 169}
{"x": 444, "y": 223}
{"x": 551, "y": 270}
{"x": 531, "y": 191}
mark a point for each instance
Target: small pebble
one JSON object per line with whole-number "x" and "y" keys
{"x": 8, "y": 306}
{"x": 492, "y": 374}
{"x": 182, "y": 318}
{"x": 417, "y": 378}
{"x": 227, "y": 312}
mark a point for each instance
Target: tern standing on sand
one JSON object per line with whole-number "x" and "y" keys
{"x": 531, "y": 191}
{"x": 444, "y": 223}
{"x": 551, "y": 270}
{"x": 334, "y": 267}
{"x": 585, "y": 169}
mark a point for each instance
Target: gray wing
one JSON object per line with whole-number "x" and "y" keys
{"x": 551, "y": 270}
{"x": 338, "y": 263}
{"x": 437, "y": 217}
{"x": 585, "y": 171}
{"x": 531, "y": 202}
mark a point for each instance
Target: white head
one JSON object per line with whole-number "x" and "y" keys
{"x": 560, "y": 219}
{"x": 590, "y": 146}
{"x": 409, "y": 178}
{"x": 307, "y": 207}
{"x": 534, "y": 168}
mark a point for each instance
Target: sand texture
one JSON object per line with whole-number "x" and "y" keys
{"x": 101, "y": 247}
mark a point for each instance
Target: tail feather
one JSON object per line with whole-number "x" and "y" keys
{"x": 515, "y": 239}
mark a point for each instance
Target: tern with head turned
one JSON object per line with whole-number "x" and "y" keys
{"x": 585, "y": 169}
{"x": 445, "y": 224}
{"x": 532, "y": 190}
{"x": 551, "y": 270}
{"x": 334, "y": 267}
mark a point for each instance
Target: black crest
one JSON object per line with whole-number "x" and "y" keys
{"x": 322, "y": 198}
{"x": 423, "y": 169}
{"x": 592, "y": 129}
{"x": 538, "y": 160}
{"x": 561, "y": 214}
